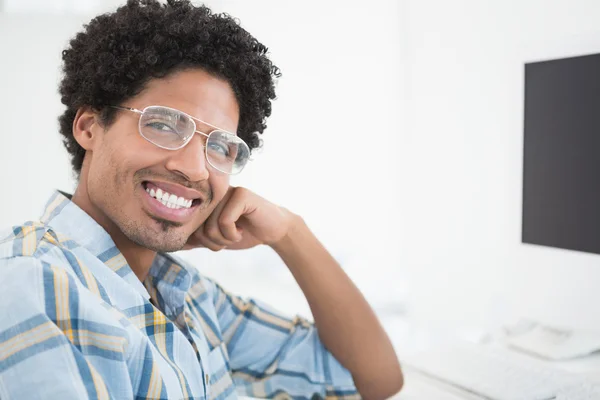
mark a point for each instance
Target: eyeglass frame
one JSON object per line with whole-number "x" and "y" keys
{"x": 193, "y": 119}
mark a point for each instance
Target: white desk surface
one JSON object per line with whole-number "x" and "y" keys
{"x": 408, "y": 338}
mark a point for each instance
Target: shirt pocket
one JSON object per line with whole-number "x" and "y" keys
{"x": 220, "y": 383}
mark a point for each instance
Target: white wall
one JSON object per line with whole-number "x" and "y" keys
{"x": 465, "y": 72}
{"x": 331, "y": 149}
{"x": 32, "y": 159}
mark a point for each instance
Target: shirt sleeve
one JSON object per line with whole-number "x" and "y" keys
{"x": 48, "y": 347}
{"x": 271, "y": 355}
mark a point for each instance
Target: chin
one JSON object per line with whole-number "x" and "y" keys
{"x": 173, "y": 239}
{"x": 162, "y": 246}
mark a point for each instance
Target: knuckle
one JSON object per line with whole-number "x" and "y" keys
{"x": 212, "y": 231}
{"x": 225, "y": 220}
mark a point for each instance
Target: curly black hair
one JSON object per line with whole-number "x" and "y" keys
{"x": 118, "y": 53}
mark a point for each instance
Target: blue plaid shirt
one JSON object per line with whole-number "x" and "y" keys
{"x": 77, "y": 323}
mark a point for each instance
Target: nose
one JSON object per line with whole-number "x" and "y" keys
{"x": 190, "y": 161}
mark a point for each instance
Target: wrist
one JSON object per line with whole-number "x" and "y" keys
{"x": 294, "y": 232}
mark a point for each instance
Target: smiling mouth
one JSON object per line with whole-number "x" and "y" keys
{"x": 169, "y": 200}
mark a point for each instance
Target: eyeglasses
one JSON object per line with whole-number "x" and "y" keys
{"x": 172, "y": 129}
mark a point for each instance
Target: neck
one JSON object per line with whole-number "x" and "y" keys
{"x": 138, "y": 257}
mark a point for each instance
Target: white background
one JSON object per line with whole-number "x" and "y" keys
{"x": 397, "y": 135}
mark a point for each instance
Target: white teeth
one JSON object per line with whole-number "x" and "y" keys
{"x": 170, "y": 200}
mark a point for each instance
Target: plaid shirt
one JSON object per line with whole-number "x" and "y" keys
{"x": 77, "y": 323}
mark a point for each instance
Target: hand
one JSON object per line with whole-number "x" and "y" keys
{"x": 240, "y": 221}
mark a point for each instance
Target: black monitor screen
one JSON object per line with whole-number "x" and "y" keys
{"x": 561, "y": 166}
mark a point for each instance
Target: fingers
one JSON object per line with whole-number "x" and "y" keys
{"x": 200, "y": 240}
{"x": 230, "y": 214}
{"x": 220, "y": 229}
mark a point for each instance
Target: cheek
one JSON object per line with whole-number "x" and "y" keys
{"x": 123, "y": 158}
{"x": 108, "y": 169}
{"x": 101, "y": 178}
{"x": 219, "y": 184}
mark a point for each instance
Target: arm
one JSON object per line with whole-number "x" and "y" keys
{"x": 345, "y": 321}
{"x": 347, "y": 325}
{"x": 271, "y": 354}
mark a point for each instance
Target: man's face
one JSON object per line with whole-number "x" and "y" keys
{"x": 123, "y": 165}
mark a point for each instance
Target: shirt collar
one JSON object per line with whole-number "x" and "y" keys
{"x": 67, "y": 219}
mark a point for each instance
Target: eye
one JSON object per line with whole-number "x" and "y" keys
{"x": 160, "y": 126}
{"x": 218, "y": 147}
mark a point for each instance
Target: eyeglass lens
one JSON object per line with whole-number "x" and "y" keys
{"x": 173, "y": 129}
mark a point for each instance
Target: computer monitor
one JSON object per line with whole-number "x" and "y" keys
{"x": 561, "y": 165}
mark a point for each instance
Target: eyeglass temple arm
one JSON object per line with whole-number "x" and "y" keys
{"x": 135, "y": 110}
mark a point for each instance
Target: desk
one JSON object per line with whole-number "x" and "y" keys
{"x": 408, "y": 338}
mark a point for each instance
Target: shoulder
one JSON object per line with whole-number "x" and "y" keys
{"x": 33, "y": 266}
{"x": 31, "y": 287}
{"x": 23, "y": 240}
{"x": 33, "y": 239}
{"x": 22, "y": 272}
{"x": 26, "y": 283}
{"x": 36, "y": 244}
{"x": 25, "y": 276}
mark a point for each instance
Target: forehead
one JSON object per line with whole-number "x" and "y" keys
{"x": 197, "y": 93}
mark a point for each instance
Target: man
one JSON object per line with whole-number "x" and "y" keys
{"x": 163, "y": 103}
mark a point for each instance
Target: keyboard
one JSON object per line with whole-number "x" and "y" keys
{"x": 499, "y": 374}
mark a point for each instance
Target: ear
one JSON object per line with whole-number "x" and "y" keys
{"x": 87, "y": 128}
